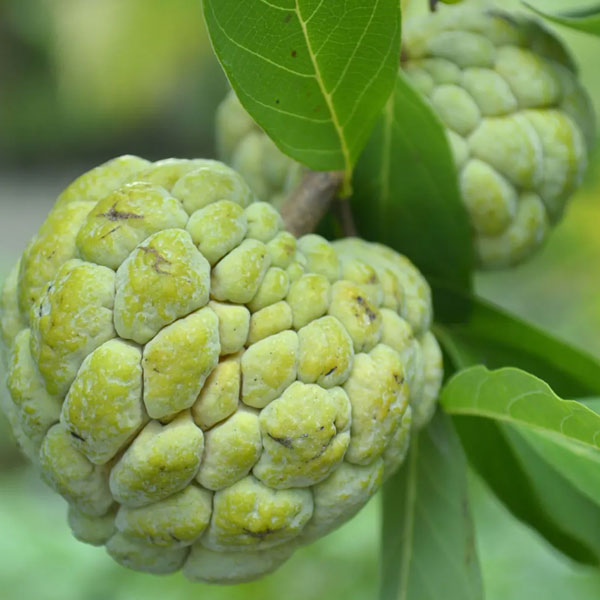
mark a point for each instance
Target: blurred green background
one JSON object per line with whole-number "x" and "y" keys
{"x": 84, "y": 80}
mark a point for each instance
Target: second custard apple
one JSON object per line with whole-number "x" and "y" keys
{"x": 205, "y": 390}
{"x": 518, "y": 121}
{"x": 271, "y": 174}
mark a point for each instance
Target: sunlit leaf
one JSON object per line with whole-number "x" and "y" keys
{"x": 428, "y": 540}
{"x": 313, "y": 74}
{"x": 512, "y": 396}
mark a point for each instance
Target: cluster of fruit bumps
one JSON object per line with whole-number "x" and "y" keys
{"x": 206, "y": 391}
{"x": 518, "y": 122}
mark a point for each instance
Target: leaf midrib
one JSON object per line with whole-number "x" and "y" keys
{"x": 328, "y": 99}
{"x": 471, "y": 411}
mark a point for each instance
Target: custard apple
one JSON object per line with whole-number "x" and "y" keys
{"x": 241, "y": 143}
{"x": 206, "y": 391}
{"x": 518, "y": 121}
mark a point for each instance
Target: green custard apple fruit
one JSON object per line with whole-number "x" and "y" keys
{"x": 518, "y": 121}
{"x": 206, "y": 391}
{"x": 241, "y": 143}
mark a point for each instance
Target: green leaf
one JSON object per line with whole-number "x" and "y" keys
{"x": 573, "y": 510}
{"x": 531, "y": 489}
{"x": 473, "y": 331}
{"x": 515, "y": 397}
{"x": 428, "y": 539}
{"x": 593, "y": 403}
{"x": 584, "y": 19}
{"x": 406, "y": 191}
{"x": 579, "y": 465}
{"x": 314, "y": 75}
{"x": 499, "y": 339}
{"x": 517, "y": 564}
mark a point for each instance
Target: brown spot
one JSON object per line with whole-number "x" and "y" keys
{"x": 114, "y": 215}
{"x": 399, "y": 380}
{"x": 159, "y": 260}
{"x": 109, "y": 232}
{"x": 365, "y": 305}
{"x": 294, "y": 54}
{"x": 324, "y": 448}
{"x": 287, "y": 18}
{"x": 261, "y": 534}
{"x": 284, "y": 441}
{"x": 317, "y": 108}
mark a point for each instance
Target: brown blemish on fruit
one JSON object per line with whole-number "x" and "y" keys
{"x": 365, "y": 305}
{"x": 159, "y": 259}
{"x": 114, "y": 215}
{"x": 284, "y": 441}
{"x": 261, "y": 534}
{"x": 323, "y": 448}
{"x": 77, "y": 436}
{"x": 111, "y": 231}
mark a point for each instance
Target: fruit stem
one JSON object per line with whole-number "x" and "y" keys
{"x": 343, "y": 213}
{"x": 308, "y": 204}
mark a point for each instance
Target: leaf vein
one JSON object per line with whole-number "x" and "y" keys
{"x": 328, "y": 99}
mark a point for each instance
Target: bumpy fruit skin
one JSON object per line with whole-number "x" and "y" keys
{"x": 206, "y": 391}
{"x": 518, "y": 122}
{"x": 241, "y": 143}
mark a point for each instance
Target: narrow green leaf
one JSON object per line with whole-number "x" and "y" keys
{"x": 583, "y": 19}
{"x": 406, "y": 191}
{"x": 533, "y": 492}
{"x": 478, "y": 332}
{"x": 576, "y": 463}
{"x": 574, "y": 511}
{"x": 314, "y": 75}
{"x": 515, "y": 397}
{"x": 428, "y": 548}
